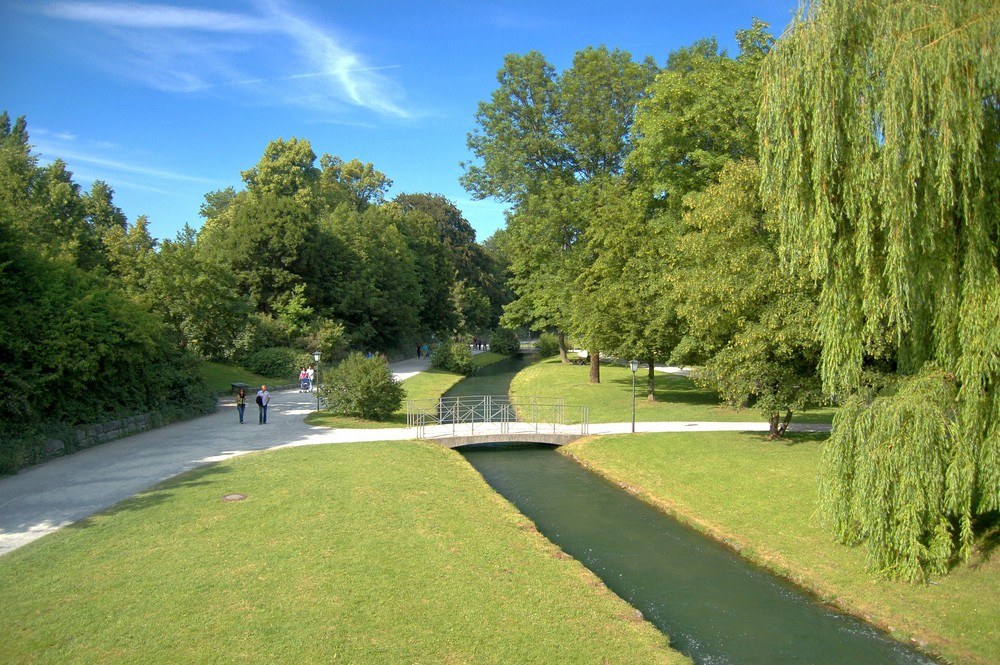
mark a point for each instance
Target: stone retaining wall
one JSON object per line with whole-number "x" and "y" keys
{"x": 94, "y": 435}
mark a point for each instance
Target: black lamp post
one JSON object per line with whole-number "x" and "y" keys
{"x": 633, "y": 365}
{"x": 316, "y": 356}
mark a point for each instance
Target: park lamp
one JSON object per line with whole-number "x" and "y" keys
{"x": 634, "y": 366}
{"x": 316, "y": 356}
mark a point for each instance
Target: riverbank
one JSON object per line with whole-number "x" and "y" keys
{"x": 389, "y": 552}
{"x": 760, "y": 498}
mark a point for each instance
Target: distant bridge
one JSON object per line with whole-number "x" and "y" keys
{"x": 472, "y": 419}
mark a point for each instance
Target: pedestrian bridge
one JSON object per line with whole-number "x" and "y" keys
{"x": 474, "y": 419}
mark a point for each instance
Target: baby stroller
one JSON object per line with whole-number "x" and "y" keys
{"x": 305, "y": 385}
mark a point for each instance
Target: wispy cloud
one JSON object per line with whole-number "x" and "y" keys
{"x": 155, "y": 17}
{"x": 272, "y": 55}
{"x": 88, "y": 159}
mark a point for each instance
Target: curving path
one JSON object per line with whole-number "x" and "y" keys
{"x": 46, "y": 497}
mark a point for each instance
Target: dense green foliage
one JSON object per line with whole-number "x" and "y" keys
{"x": 317, "y": 245}
{"x": 278, "y": 361}
{"x": 75, "y": 349}
{"x": 505, "y": 342}
{"x": 547, "y": 345}
{"x": 362, "y": 387}
{"x": 880, "y": 130}
{"x": 101, "y": 320}
{"x": 750, "y": 324}
{"x": 453, "y": 356}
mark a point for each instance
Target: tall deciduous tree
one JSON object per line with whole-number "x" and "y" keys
{"x": 634, "y": 316}
{"x": 700, "y": 113}
{"x": 880, "y": 131}
{"x": 541, "y": 137}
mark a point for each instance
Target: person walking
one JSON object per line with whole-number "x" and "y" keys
{"x": 263, "y": 398}
{"x": 241, "y": 403}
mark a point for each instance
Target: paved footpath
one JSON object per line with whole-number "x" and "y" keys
{"x": 46, "y": 497}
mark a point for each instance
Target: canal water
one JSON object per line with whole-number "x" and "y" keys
{"x": 715, "y": 606}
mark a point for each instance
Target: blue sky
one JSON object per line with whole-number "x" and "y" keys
{"x": 167, "y": 101}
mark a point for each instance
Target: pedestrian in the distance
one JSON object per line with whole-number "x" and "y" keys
{"x": 241, "y": 403}
{"x": 263, "y": 399}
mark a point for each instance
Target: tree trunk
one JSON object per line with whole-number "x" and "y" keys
{"x": 563, "y": 355}
{"x": 778, "y": 427}
{"x": 595, "y": 366}
{"x": 772, "y": 432}
{"x": 650, "y": 387}
{"x": 784, "y": 424}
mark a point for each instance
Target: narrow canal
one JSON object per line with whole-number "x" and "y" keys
{"x": 715, "y": 606}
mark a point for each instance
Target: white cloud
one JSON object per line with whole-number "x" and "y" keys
{"x": 58, "y": 145}
{"x": 272, "y": 56}
{"x": 154, "y": 17}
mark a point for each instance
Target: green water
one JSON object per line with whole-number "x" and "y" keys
{"x": 715, "y": 606}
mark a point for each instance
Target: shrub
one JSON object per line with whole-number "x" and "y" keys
{"x": 362, "y": 387}
{"x": 277, "y": 362}
{"x": 453, "y": 357}
{"x": 547, "y": 345}
{"x": 260, "y": 332}
{"x": 505, "y": 342}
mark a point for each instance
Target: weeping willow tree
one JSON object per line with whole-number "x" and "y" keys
{"x": 880, "y": 125}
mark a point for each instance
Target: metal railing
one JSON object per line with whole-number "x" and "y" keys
{"x": 534, "y": 413}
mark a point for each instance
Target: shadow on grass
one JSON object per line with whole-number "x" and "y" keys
{"x": 798, "y": 438}
{"x": 157, "y": 494}
{"x": 989, "y": 526}
{"x": 669, "y": 388}
{"x": 790, "y": 439}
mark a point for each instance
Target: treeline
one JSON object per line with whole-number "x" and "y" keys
{"x": 803, "y": 221}
{"x": 99, "y": 320}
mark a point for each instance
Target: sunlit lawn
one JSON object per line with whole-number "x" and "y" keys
{"x": 677, "y": 398}
{"x": 356, "y": 553}
{"x": 221, "y": 376}
{"x": 761, "y": 496}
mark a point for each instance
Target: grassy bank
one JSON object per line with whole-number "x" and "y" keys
{"x": 761, "y": 498}
{"x": 221, "y": 377}
{"x": 388, "y": 553}
{"x": 677, "y": 398}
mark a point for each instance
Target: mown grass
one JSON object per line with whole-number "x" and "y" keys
{"x": 357, "y": 553}
{"x": 677, "y": 397}
{"x": 429, "y": 384}
{"x": 220, "y": 377}
{"x": 761, "y": 497}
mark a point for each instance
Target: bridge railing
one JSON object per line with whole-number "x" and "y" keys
{"x": 532, "y": 414}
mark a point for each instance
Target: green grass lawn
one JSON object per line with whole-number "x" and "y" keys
{"x": 221, "y": 376}
{"x": 678, "y": 399}
{"x": 761, "y": 497}
{"x": 355, "y": 553}
{"x": 430, "y": 384}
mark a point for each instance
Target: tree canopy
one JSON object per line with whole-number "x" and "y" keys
{"x": 880, "y": 134}
{"x": 546, "y": 142}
